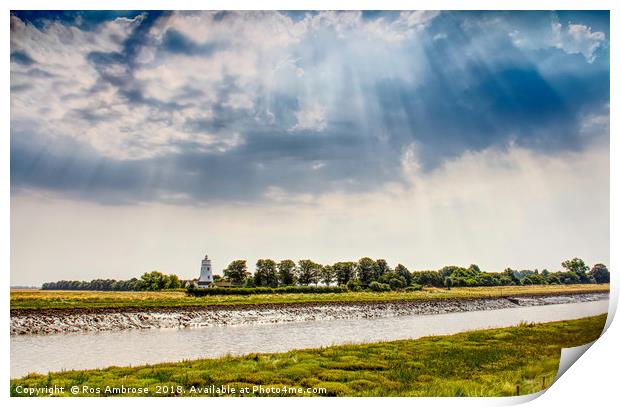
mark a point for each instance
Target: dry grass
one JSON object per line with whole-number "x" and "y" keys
{"x": 39, "y": 299}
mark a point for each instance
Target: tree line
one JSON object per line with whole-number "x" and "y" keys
{"x": 364, "y": 274}
{"x": 152, "y": 281}
{"x": 377, "y": 275}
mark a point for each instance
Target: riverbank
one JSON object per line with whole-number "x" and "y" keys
{"x": 476, "y": 363}
{"x": 24, "y": 301}
{"x": 54, "y": 321}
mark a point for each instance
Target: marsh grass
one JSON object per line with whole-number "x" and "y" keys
{"x": 44, "y": 299}
{"x": 477, "y": 363}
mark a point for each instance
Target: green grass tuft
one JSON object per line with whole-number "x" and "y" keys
{"x": 478, "y": 363}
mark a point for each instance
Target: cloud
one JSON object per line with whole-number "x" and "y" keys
{"x": 554, "y": 32}
{"x": 311, "y": 118}
{"x": 496, "y": 208}
{"x": 578, "y": 39}
{"x": 200, "y": 107}
{"x": 393, "y": 27}
{"x": 21, "y": 58}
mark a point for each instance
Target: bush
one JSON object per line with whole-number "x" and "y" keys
{"x": 414, "y": 287}
{"x": 354, "y": 285}
{"x": 599, "y": 273}
{"x": 397, "y": 283}
{"x": 428, "y": 277}
{"x": 534, "y": 279}
{"x": 377, "y": 286}
{"x": 153, "y": 281}
{"x": 306, "y": 289}
{"x": 566, "y": 277}
{"x": 200, "y": 292}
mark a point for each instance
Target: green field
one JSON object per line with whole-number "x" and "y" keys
{"x": 477, "y": 363}
{"x": 47, "y": 300}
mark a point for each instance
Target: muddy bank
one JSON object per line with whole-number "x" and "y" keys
{"x": 53, "y": 321}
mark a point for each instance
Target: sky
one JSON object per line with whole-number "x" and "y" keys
{"x": 144, "y": 140}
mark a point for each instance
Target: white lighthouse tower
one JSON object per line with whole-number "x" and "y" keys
{"x": 206, "y": 273}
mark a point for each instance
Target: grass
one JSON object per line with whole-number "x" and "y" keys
{"x": 47, "y": 300}
{"x": 476, "y": 363}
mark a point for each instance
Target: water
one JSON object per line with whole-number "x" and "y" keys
{"x": 45, "y": 353}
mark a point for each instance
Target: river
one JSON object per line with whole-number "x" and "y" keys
{"x": 45, "y": 353}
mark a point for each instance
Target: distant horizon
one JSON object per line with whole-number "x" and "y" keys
{"x": 142, "y": 139}
{"x": 251, "y": 269}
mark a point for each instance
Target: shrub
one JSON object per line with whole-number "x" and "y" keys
{"x": 599, "y": 273}
{"x": 354, "y": 285}
{"x": 200, "y": 292}
{"x": 414, "y": 287}
{"x": 427, "y": 277}
{"x": 153, "y": 281}
{"x": 565, "y": 277}
{"x": 404, "y": 273}
{"x": 377, "y": 286}
{"x": 397, "y": 283}
{"x": 306, "y": 289}
{"x": 534, "y": 279}
{"x": 488, "y": 279}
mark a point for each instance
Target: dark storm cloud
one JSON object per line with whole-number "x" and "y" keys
{"x": 21, "y": 58}
{"x": 475, "y": 88}
{"x": 445, "y": 119}
{"x": 176, "y": 43}
{"x": 499, "y": 96}
{"x": 117, "y": 68}
{"x": 72, "y": 168}
{"x": 85, "y": 19}
{"x": 192, "y": 175}
{"x": 139, "y": 37}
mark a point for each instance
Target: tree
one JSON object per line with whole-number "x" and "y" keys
{"x": 327, "y": 274}
{"x": 404, "y": 273}
{"x": 567, "y": 277}
{"x": 428, "y": 277}
{"x": 521, "y": 274}
{"x": 447, "y": 271}
{"x": 377, "y": 286}
{"x": 599, "y": 273}
{"x": 354, "y": 285}
{"x": 173, "y": 281}
{"x": 394, "y": 280}
{"x": 534, "y": 279}
{"x": 286, "y": 272}
{"x": 510, "y": 275}
{"x": 153, "y": 281}
{"x": 474, "y": 268}
{"x": 366, "y": 270}
{"x": 487, "y": 279}
{"x": 344, "y": 271}
{"x": 464, "y": 274}
{"x": 578, "y": 267}
{"x": 308, "y": 272}
{"x": 266, "y": 274}
{"x": 553, "y": 278}
{"x": 236, "y": 272}
{"x": 381, "y": 268}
